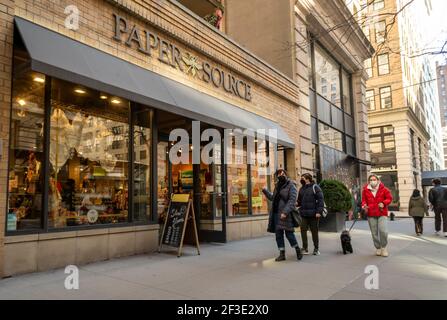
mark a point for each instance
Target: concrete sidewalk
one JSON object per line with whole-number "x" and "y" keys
{"x": 416, "y": 269}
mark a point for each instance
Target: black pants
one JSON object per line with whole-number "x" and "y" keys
{"x": 418, "y": 224}
{"x": 440, "y": 213}
{"x": 312, "y": 224}
{"x": 290, "y": 235}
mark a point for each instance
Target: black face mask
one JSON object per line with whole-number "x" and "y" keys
{"x": 303, "y": 182}
{"x": 282, "y": 179}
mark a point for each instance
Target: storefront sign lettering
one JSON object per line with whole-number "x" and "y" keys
{"x": 150, "y": 43}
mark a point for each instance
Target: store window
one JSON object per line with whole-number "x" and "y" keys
{"x": 370, "y": 100}
{"x": 142, "y": 165}
{"x": 26, "y": 149}
{"x": 163, "y": 180}
{"x": 237, "y": 173}
{"x": 259, "y": 175}
{"x": 383, "y": 64}
{"x": 330, "y": 137}
{"x": 89, "y": 147}
{"x": 385, "y": 98}
{"x": 327, "y": 75}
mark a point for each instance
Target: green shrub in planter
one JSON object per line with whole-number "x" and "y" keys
{"x": 336, "y": 196}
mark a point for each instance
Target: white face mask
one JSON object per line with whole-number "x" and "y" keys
{"x": 373, "y": 184}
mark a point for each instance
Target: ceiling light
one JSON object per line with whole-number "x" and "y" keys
{"x": 39, "y": 79}
{"x": 21, "y": 102}
{"x": 80, "y": 91}
{"x": 116, "y": 101}
{"x": 103, "y": 97}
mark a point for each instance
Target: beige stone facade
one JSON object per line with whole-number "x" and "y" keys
{"x": 396, "y": 102}
{"x": 282, "y": 36}
{"x": 271, "y": 63}
{"x": 273, "y": 95}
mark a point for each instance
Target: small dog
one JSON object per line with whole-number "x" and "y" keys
{"x": 345, "y": 238}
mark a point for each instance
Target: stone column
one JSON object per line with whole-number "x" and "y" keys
{"x": 301, "y": 51}
{"x": 361, "y": 122}
{"x": 404, "y": 163}
{"x": 6, "y": 41}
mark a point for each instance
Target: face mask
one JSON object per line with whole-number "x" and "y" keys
{"x": 281, "y": 179}
{"x": 303, "y": 182}
{"x": 373, "y": 184}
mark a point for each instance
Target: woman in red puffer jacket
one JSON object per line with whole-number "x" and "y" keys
{"x": 375, "y": 201}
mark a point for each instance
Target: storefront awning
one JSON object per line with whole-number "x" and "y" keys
{"x": 61, "y": 57}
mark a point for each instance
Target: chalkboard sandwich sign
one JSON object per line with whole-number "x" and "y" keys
{"x": 180, "y": 211}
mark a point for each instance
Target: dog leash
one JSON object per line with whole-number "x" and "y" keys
{"x": 352, "y": 226}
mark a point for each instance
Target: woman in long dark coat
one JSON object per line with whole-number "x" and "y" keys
{"x": 280, "y": 220}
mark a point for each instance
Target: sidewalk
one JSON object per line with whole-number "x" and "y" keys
{"x": 416, "y": 269}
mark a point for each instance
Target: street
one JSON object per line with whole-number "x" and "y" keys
{"x": 416, "y": 269}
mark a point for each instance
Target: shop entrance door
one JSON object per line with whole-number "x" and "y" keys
{"x": 205, "y": 183}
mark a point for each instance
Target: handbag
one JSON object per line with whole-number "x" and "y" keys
{"x": 296, "y": 217}
{"x": 325, "y": 211}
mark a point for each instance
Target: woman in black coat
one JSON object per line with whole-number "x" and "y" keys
{"x": 280, "y": 220}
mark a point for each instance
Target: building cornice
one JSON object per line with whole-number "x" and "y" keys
{"x": 324, "y": 15}
{"x": 410, "y": 116}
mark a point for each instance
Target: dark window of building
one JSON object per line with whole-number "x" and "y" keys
{"x": 380, "y": 32}
{"x": 386, "y": 101}
{"x": 383, "y": 64}
{"x": 379, "y": 4}
{"x": 330, "y": 137}
{"x": 381, "y": 139}
{"x": 370, "y": 100}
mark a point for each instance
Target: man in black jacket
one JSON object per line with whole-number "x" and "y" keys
{"x": 311, "y": 206}
{"x": 438, "y": 199}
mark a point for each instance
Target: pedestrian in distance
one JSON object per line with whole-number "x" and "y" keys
{"x": 311, "y": 206}
{"x": 438, "y": 199}
{"x": 417, "y": 209}
{"x": 375, "y": 201}
{"x": 280, "y": 222}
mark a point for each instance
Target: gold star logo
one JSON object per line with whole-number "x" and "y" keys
{"x": 192, "y": 63}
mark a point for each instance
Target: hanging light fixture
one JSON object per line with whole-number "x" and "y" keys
{"x": 39, "y": 79}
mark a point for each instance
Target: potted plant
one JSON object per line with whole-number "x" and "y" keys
{"x": 215, "y": 19}
{"x": 338, "y": 202}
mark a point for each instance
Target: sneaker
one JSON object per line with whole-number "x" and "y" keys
{"x": 305, "y": 252}
{"x": 378, "y": 252}
{"x": 437, "y": 233}
{"x": 384, "y": 252}
{"x": 418, "y": 234}
{"x": 445, "y": 234}
{"x": 316, "y": 252}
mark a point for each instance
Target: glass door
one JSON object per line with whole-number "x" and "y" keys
{"x": 210, "y": 199}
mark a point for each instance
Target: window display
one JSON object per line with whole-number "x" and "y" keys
{"x": 26, "y": 154}
{"x": 259, "y": 175}
{"x": 142, "y": 165}
{"x": 237, "y": 173}
{"x": 88, "y": 158}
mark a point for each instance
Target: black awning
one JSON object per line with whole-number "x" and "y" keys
{"x": 64, "y": 58}
{"x": 428, "y": 176}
